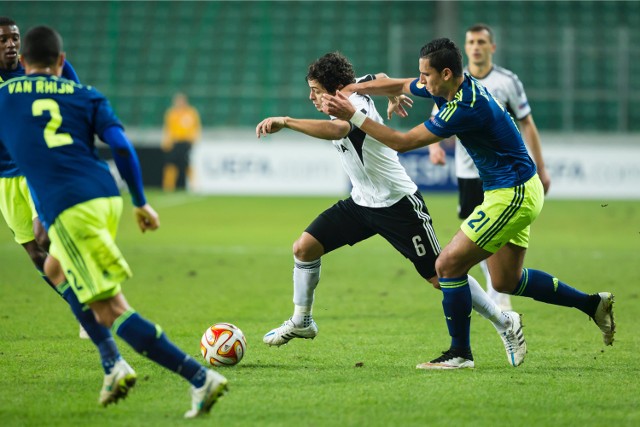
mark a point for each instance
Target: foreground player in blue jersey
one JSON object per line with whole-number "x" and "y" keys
{"x": 18, "y": 209}
{"x": 498, "y": 229}
{"x": 48, "y": 128}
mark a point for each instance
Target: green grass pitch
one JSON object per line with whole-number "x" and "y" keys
{"x": 229, "y": 259}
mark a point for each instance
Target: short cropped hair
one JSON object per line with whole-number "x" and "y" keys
{"x": 332, "y": 71}
{"x": 41, "y": 45}
{"x": 443, "y": 53}
{"x": 6, "y": 22}
{"x": 476, "y": 28}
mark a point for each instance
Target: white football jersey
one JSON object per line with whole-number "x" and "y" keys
{"x": 506, "y": 87}
{"x": 377, "y": 177}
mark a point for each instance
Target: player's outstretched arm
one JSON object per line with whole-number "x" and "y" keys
{"x": 387, "y": 87}
{"x": 340, "y": 107}
{"x": 322, "y": 129}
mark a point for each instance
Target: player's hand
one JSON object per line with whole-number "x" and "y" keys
{"x": 437, "y": 155}
{"x": 338, "y": 106}
{"x": 545, "y": 179}
{"x": 398, "y": 105}
{"x": 270, "y": 125}
{"x": 146, "y": 217}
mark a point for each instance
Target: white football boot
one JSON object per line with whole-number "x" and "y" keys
{"x": 288, "y": 331}
{"x": 117, "y": 384}
{"x": 513, "y": 339}
{"x": 203, "y": 398}
{"x": 604, "y": 317}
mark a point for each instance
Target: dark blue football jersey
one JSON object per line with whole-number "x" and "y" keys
{"x": 8, "y": 168}
{"x": 485, "y": 129}
{"x": 47, "y": 124}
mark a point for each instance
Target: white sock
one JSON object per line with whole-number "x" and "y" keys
{"x": 302, "y": 315}
{"x": 487, "y": 277}
{"x": 306, "y": 276}
{"x": 485, "y": 305}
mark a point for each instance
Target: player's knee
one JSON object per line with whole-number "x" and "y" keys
{"x": 307, "y": 249}
{"x": 104, "y": 319}
{"x": 301, "y": 251}
{"x": 505, "y": 285}
{"x": 445, "y": 266}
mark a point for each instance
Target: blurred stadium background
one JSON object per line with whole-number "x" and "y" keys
{"x": 240, "y": 61}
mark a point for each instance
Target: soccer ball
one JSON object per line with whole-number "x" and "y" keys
{"x": 223, "y": 344}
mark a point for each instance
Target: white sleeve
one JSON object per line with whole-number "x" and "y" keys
{"x": 517, "y": 98}
{"x": 365, "y": 78}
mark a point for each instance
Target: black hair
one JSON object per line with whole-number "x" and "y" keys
{"x": 6, "y": 22}
{"x": 475, "y": 28}
{"x": 42, "y": 46}
{"x": 332, "y": 71}
{"x": 443, "y": 53}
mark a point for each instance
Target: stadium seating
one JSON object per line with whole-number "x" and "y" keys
{"x": 240, "y": 61}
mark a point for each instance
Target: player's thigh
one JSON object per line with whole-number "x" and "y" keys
{"x": 17, "y": 208}
{"x": 470, "y": 195}
{"x": 83, "y": 240}
{"x": 342, "y": 224}
{"x": 505, "y": 216}
{"x": 407, "y": 225}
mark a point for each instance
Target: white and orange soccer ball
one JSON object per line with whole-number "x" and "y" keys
{"x": 223, "y": 344}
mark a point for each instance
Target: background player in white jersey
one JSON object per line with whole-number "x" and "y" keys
{"x": 384, "y": 200}
{"x": 506, "y": 87}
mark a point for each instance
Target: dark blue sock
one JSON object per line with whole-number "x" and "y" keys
{"x": 100, "y": 335}
{"x": 457, "y": 305}
{"x": 543, "y": 287}
{"x": 148, "y": 339}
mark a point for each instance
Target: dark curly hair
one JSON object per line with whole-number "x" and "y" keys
{"x": 443, "y": 53}
{"x": 332, "y": 71}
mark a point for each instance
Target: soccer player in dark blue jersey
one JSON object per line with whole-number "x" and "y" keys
{"x": 19, "y": 211}
{"x": 498, "y": 229}
{"x": 51, "y": 138}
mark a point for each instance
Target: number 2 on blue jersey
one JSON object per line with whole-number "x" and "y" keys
{"x": 52, "y": 138}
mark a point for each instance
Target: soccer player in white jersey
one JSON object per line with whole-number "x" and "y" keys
{"x": 384, "y": 200}
{"x": 506, "y": 87}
